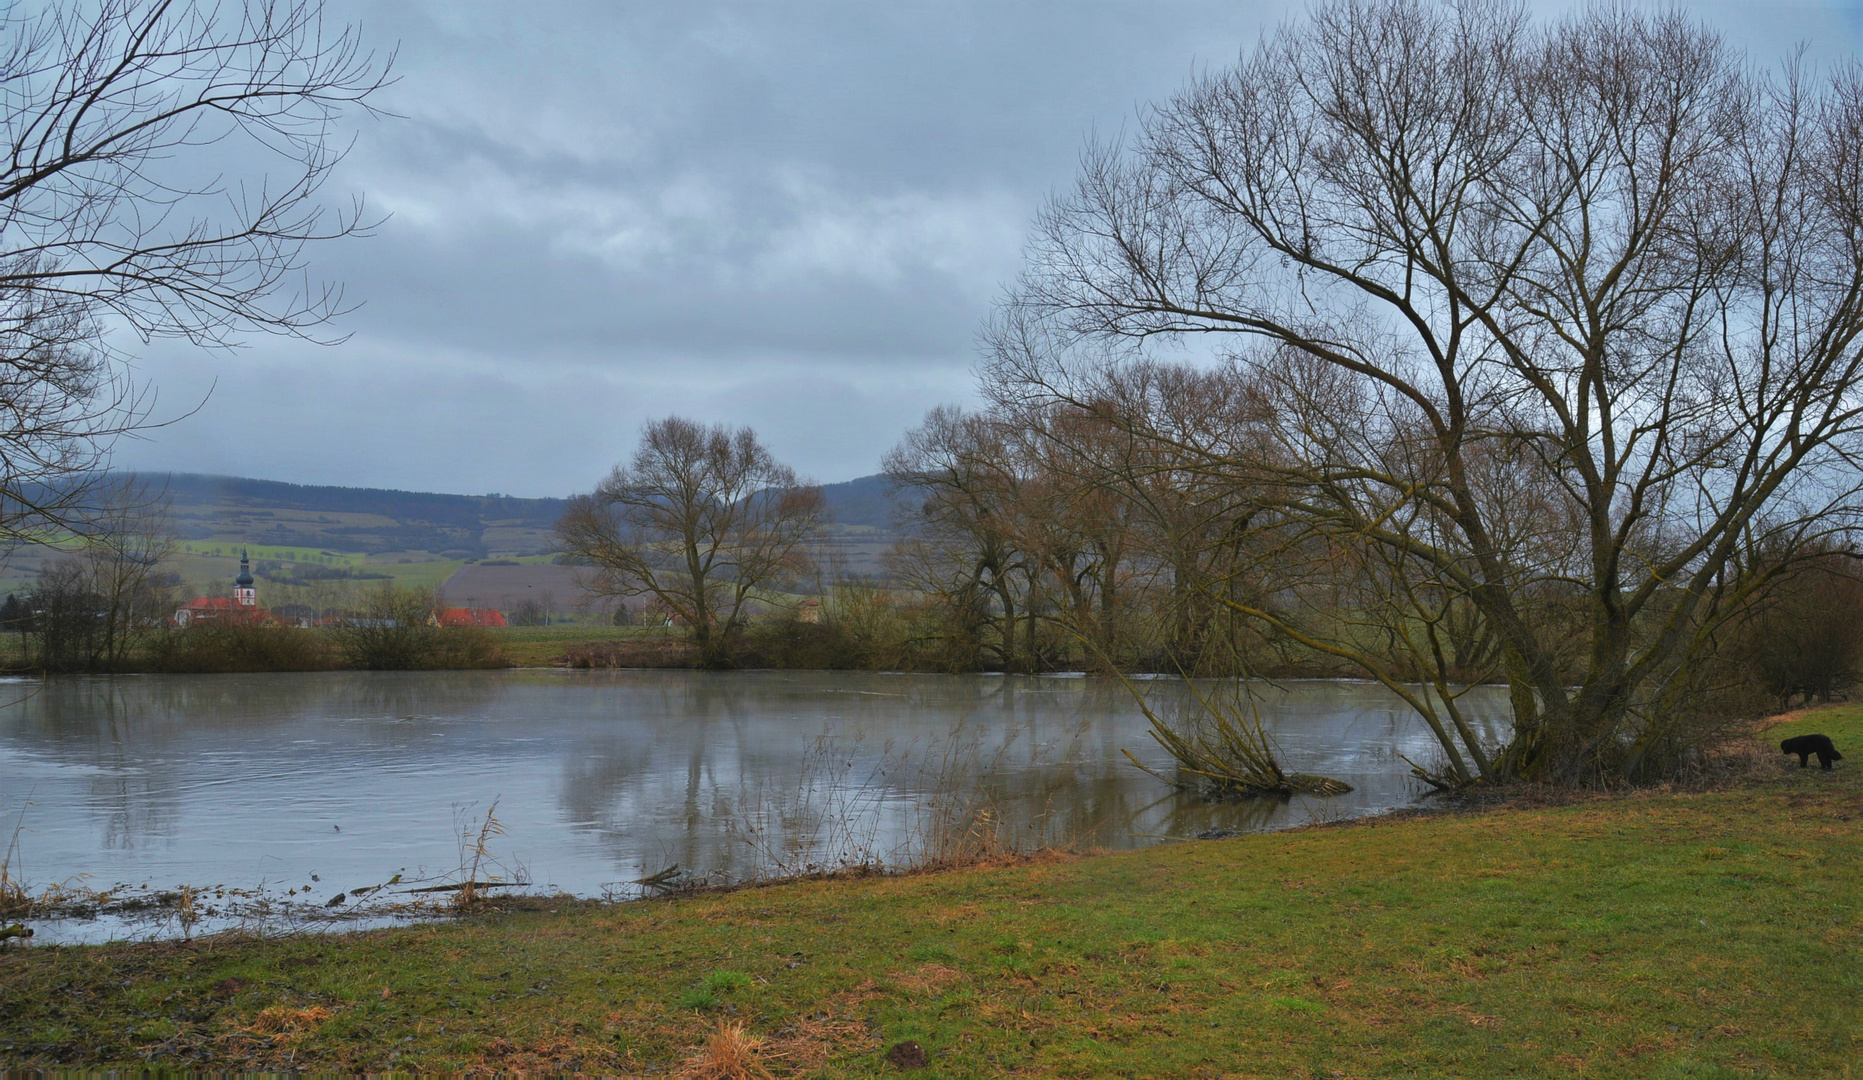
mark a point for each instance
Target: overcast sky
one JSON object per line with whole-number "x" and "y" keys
{"x": 787, "y": 215}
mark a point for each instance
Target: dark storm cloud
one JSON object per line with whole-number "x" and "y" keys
{"x": 787, "y": 215}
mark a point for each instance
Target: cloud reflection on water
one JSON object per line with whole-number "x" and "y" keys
{"x": 607, "y": 776}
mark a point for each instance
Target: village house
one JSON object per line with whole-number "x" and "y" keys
{"x": 461, "y": 616}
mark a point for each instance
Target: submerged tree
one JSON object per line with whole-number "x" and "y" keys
{"x": 704, "y": 520}
{"x": 1548, "y": 328}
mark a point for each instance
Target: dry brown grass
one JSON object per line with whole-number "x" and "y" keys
{"x": 279, "y": 1020}
{"x": 928, "y": 979}
{"x": 808, "y": 1045}
{"x": 730, "y": 1053}
{"x": 1805, "y": 713}
{"x": 14, "y": 900}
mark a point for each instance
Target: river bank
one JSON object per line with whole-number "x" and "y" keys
{"x": 1674, "y": 934}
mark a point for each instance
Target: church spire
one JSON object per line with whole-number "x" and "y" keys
{"x": 243, "y": 593}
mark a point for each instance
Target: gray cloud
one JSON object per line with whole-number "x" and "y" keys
{"x": 787, "y": 215}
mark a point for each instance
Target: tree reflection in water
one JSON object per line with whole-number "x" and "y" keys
{"x": 608, "y": 777}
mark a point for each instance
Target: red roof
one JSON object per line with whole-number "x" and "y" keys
{"x": 463, "y": 616}
{"x": 219, "y": 609}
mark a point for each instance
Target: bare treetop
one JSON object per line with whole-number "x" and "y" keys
{"x": 164, "y": 163}
{"x": 109, "y": 195}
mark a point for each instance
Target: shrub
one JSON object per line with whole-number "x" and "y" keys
{"x": 396, "y": 631}
{"x": 206, "y": 647}
{"x": 1803, "y": 638}
{"x": 860, "y": 627}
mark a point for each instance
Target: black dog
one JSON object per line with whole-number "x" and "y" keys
{"x": 1806, "y": 745}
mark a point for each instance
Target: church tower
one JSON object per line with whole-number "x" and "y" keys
{"x": 243, "y": 593}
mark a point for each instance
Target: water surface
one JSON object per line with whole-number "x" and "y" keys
{"x": 602, "y": 778}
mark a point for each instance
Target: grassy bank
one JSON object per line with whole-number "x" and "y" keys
{"x": 549, "y": 646}
{"x": 1668, "y": 935}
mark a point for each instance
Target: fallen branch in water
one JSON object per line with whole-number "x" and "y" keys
{"x": 1228, "y": 754}
{"x": 467, "y": 885}
{"x": 662, "y": 878}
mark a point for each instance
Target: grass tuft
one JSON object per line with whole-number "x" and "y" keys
{"x": 730, "y": 1053}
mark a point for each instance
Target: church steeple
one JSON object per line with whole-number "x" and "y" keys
{"x": 243, "y": 593}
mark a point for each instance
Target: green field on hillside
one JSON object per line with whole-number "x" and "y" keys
{"x": 308, "y": 556}
{"x": 418, "y": 538}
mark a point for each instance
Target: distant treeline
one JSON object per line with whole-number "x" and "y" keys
{"x": 90, "y": 615}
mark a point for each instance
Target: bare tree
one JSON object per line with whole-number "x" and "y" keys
{"x": 1016, "y": 537}
{"x": 963, "y": 550}
{"x": 703, "y": 520}
{"x": 118, "y": 209}
{"x": 1803, "y": 633}
{"x": 1563, "y": 319}
{"x": 67, "y": 613}
{"x": 530, "y": 612}
{"x": 126, "y": 545}
{"x": 95, "y": 605}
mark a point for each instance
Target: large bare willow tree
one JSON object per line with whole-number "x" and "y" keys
{"x": 704, "y": 521}
{"x": 1551, "y": 328}
{"x": 165, "y": 160}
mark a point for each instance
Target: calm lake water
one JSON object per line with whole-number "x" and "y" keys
{"x": 602, "y": 778}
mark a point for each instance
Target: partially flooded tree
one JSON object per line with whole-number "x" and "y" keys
{"x": 1190, "y": 540}
{"x": 163, "y": 168}
{"x": 1083, "y": 532}
{"x": 703, "y": 520}
{"x": 1554, "y": 326}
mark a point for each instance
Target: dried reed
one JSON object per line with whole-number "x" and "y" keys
{"x": 15, "y": 901}
{"x": 475, "y": 853}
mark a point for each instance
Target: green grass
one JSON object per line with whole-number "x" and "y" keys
{"x": 418, "y": 572}
{"x": 209, "y": 574}
{"x": 229, "y": 550}
{"x": 542, "y": 646}
{"x": 1656, "y": 935}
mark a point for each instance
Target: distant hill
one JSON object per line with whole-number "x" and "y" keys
{"x": 368, "y": 520}
{"x": 377, "y": 521}
{"x": 863, "y": 502}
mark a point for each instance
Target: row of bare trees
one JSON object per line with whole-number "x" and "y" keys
{"x": 1051, "y": 538}
{"x": 96, "y": 601}
{"x": 1520, "y": 352}
{"x": 1534, "y": 354}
